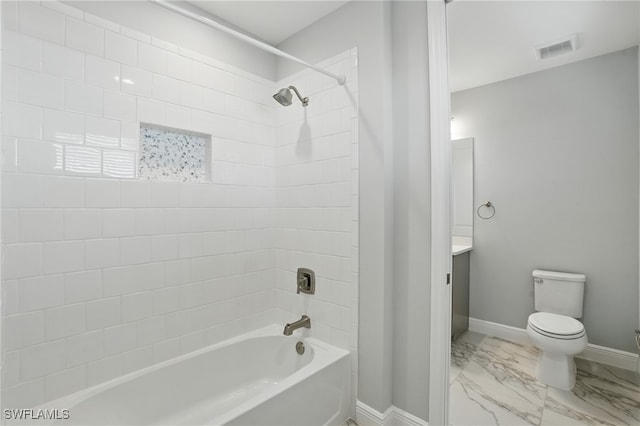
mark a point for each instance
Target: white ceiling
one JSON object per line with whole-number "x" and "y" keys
{"x": 491, "y": 41}
{"x": 272, "y": 21}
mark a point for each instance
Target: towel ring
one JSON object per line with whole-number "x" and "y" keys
{"x": 489, "y": 206}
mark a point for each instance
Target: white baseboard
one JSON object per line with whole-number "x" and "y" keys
{"x": 402, "y": 418}
{"x": 601, "y": 354}
{"x": 393, "y": 416}
{"x": 608, "y": 356}
{"x": 498, "y": 330}
{"x": 367, "y": 416}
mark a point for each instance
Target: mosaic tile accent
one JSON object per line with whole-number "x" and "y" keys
{"x": 172, "y": 154}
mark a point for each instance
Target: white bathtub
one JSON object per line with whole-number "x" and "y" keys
{"x": 254, "y": 379}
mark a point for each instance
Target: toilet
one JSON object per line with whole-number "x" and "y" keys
{"x": 554, "y": 328}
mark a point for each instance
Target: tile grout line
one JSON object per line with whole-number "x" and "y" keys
{"x": 544, "y": 404}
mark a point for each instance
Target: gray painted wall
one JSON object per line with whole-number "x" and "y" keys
{"x": 412, "y": 213}
{"x": 557, "y": 153}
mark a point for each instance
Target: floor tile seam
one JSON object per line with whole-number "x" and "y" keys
{"x": 544, "y": 404}
{"x": 594, "y": 416}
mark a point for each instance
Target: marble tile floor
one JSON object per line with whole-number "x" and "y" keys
{"x": 492, "y": 382}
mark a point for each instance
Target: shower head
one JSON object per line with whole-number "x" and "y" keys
{"x": 284, "y": 96}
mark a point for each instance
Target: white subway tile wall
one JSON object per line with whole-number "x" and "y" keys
{"x": 105, "y": 274}
{"x": 317, "y": 204}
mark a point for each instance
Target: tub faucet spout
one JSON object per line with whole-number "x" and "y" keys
{"x": 305, "y": 322}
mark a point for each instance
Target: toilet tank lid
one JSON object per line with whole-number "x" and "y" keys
{"x": 563, "y": 276}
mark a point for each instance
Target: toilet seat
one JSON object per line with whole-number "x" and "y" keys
{"x": 556, "y": 326}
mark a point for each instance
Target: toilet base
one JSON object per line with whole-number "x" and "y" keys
{"x": 556, "y": 370}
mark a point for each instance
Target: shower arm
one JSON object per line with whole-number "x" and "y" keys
{"x": 341, "y": 79}
{"x": 305, "y": 100}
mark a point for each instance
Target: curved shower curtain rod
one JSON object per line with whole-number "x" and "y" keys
{"x": 257, "y": 43}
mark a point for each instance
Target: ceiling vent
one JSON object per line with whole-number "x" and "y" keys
{"x": 557, "y": 47}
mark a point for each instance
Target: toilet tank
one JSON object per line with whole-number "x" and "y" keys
{"x": 559, "y": 292}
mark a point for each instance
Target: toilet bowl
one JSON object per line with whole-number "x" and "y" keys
{"x": 559, "y": 338}
{"x": 554, "y": 328}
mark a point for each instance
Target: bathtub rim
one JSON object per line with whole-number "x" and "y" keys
{"x": 324, "y": 355}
